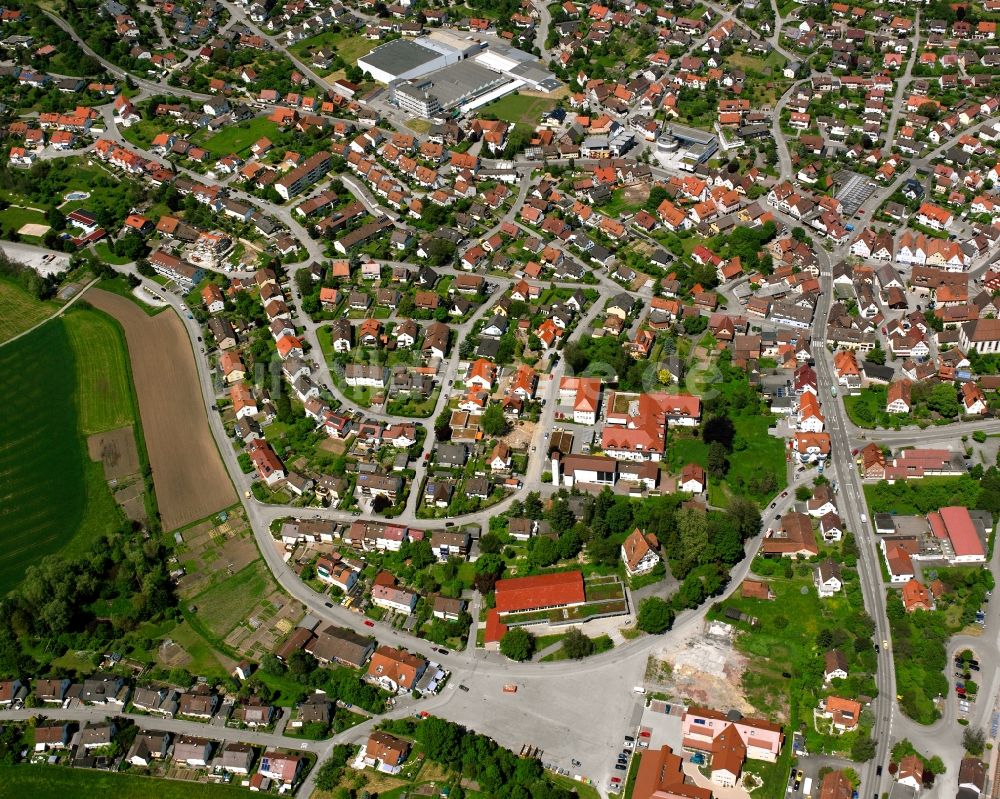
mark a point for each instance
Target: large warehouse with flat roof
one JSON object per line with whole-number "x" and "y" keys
{"x": 403, "y": 59}
{"x": 446, "y": 70}
{"x": 443, "y": 90}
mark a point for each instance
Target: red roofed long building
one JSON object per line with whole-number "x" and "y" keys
{"x": 955, "y": 526}
{"x": 541, "y": 592}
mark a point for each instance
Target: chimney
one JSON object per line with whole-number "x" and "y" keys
{"x": 555, "y": 467}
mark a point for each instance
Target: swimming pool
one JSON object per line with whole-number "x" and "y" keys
{"x": 77, "y": 195}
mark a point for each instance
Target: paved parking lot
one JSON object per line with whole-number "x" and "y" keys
{"x": 575, "y": 712}
{"x": 45, "y": 262}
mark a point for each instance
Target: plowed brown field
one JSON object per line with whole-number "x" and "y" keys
{"x": 190, "y": 479}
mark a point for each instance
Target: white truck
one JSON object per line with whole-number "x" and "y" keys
{"x": 807, "y": 787}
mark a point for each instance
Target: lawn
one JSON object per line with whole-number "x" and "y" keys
{"x": 19, "y": 311}
{"x": 105, "y": 254}
{"x": 349, "y": 48}
{"x": 867, "y": 408}
{"x": 519, "y": 108}
{"x": 238, "y": 138}
{"x": 142, "y": 133}
{"x": 763, "y": 453}
{"x": 602, "y": 643}
{"x": 54, "y": 495}
{"x": 118, "y": 285}
{"x": 14, "y": 218}
{"x": 204, "y": 659}
{"x": 55, "y": 782}
{"x": 104, "y": 398}
{"x": 784, "y": 678}
{"x": 619, "y": 205}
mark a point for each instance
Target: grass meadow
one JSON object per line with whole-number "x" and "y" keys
{"x": 19, "y": 311}
{"x": 104, "y": 396}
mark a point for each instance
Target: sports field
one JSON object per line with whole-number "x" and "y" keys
{"x": 56, "y": 782}
{"x": 103, "y": 398}
{"x": 19, "y": 311}
{"x": 54, "y": 497}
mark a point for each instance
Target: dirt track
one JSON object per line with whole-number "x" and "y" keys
{"x": 188, "y": 474}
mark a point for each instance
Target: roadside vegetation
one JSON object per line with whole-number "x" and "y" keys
{"x": 920, "y": 639}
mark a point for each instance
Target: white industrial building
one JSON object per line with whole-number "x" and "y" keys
{"x": 404, "y": 59}
{"x": 477, "y": 73}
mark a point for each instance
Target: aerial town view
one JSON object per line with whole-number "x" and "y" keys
{"x": 499, "y": 398}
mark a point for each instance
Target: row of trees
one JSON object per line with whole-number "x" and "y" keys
{"x": 498, "y": 771}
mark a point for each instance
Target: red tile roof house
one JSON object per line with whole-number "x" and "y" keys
{"x": 395, "y": 669}
{"x": 495, "y": 630}
{"x": 843, "y": 714}
{"x": 916, "y": 597}
{"x": 517, "y": 595}
{"x": 386, "y": 752}
{"x": 639, "y": 552}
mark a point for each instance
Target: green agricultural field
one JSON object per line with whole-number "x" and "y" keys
{"x": 104, "y": 398}
{"x": 238, "y": 138}
{"x": 55, "y": 782}
{"x": 19, "y": 311}
{"x": 55, "y": 497}
{"x": 41, "y": 458}
{"x": 519, "y": 108}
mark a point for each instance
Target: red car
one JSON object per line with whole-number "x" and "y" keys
{"x": 369, "y": 623}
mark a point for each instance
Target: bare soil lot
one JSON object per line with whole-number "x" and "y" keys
{"x": 701, "y": 670}
{"x": 191, "y": 482}
{"x": 116, "y": 451}
{"x": 131, "y": 501}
